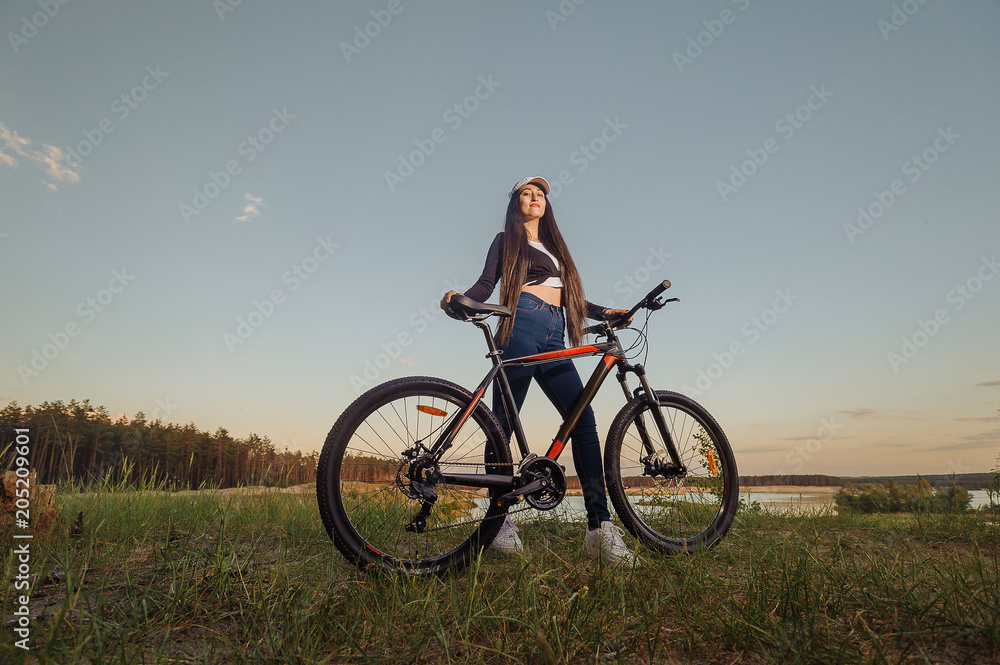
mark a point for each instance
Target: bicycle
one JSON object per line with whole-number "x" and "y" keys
{"x": 404, "y": 485}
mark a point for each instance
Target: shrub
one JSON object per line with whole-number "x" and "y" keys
{"x": 918, "y": 498}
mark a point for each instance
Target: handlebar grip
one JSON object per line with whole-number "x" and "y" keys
{"x": 659, "y": 288}
{"x": 450, "y": 311}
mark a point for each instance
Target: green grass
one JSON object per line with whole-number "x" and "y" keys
{"x": 242, "y": 577}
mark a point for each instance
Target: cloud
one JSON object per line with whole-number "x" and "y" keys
{"x": 864, "y": 413}
{"x": 810, "y": 438}
{"x": 763, "y": 449}
{"x": 53, "y": 160}
{"x": 12, "y": 142}
{"x": 973, "y": 441}
{"x": 252, "y": 208}
{"x": 980, "y": 419}
{"x": 12, "y": 146}
{"x": 889, "y": 443}
{"x": 989, "y": 383}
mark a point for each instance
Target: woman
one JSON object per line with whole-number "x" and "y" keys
{"x": 540, "y": 284}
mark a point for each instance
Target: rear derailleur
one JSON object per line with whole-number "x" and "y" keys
{"x": 416, "y": 478}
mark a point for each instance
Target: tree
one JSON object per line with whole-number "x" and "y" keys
{"x": 78, "y": 442}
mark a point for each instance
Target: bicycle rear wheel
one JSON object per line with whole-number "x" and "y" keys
{"x": 672, "y": 513}
{"x": 369, "y": 507}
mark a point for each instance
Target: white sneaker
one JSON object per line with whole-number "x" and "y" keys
{"x": 607, "y": 543}
{"x": 507, "y": 540}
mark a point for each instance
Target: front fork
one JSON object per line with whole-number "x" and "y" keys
{"x": 676, "y": 468}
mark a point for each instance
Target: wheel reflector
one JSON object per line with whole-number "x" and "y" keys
{"x": 711, "y": 463}
{"x": 431, "y": 410}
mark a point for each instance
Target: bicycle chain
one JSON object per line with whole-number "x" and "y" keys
{"x": 458, "y": 524}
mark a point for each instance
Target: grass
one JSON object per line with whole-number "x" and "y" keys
{"x": 253, "y": 577}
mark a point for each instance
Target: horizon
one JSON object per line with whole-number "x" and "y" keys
{"x": 116, "y": 418}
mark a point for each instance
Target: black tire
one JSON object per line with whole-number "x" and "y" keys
{"x": 361, "y": 482}
{"x": 682, "y": 514}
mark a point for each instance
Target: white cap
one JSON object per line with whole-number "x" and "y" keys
{"x": 534, "y": 180}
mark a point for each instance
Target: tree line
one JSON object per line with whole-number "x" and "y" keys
{"x": 797, "y": 480}
{"x": 77, "y": 442}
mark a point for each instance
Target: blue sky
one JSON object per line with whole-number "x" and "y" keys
{"x": 226, "y": 213}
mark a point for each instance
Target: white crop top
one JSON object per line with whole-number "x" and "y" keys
{"x": 550, "y": 281}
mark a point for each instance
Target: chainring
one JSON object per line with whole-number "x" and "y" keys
{"x": 552, "y": 475}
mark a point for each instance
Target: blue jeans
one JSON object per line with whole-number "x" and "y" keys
{"x": 539, "y": 327}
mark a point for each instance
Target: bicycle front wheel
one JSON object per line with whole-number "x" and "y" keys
{"x": 669, "y": 511}
{"x": 375, "y": 515}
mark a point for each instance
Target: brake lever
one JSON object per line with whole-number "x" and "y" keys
{"x": 660, "y": 304}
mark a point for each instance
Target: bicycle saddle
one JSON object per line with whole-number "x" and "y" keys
{"x": 464, "y": 308}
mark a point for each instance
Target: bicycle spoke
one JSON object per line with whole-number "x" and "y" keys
{"x": 385, "y": 481}
{"x": 671, "y": 510}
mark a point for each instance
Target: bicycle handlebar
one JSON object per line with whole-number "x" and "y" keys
{"x": 463, "y": 308}
{"x": 658, "y": 289}
{"x": 650, "y": 301}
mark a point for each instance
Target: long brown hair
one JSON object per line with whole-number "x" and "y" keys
{"x": 514, "y": 269}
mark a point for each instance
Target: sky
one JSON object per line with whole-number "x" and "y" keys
{"x": 243, "y": 214}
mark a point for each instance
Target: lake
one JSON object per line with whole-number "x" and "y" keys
{"x": 798, "y": 500}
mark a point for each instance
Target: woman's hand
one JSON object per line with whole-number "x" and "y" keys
{"x": 445, "y": 299}
{"x": 613, "y": 313}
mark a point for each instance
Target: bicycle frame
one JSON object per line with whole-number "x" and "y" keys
{"x": 612, "y": 356}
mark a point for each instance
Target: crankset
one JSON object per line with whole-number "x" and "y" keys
{"x": 543, "y": 483}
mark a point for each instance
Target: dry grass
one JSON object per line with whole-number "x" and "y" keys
{"x": 239, "y": 576}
